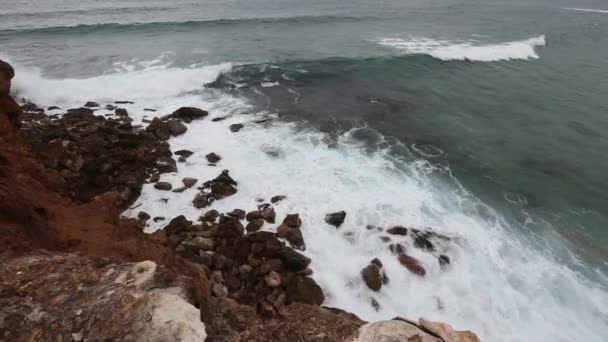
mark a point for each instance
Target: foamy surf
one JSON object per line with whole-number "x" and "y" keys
{"x": 467, "y": 50}
{"x": 591, "y": 10}
{"x": 498, "y": 285}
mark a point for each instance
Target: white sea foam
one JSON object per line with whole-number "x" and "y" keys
{"x": 586, "y": 10}
{"x": 498, "y": 285}
{"x": 467, "y": 50}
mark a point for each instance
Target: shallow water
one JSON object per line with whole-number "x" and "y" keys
{"x": 482, "y": 120}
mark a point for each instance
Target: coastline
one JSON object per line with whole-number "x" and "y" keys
{"x": 56, "y": 165}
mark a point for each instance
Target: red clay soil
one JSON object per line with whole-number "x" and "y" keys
{"x": 32, "y": 216}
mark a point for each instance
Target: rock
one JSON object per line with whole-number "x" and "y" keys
{"x": 205, "y": 244}
{"x": 53, "y": 108}
{"x": 268, "y": 214}
{"x": 189, "y": 181}
{"x": 272, "y": 279}
{"x": 265, "y": 309}
{"x": 184, "y": 153}
{"x": 447, "y": 333}
{"x": 396, "y": 248}
{"x": 149, "y": 110}
{"x": 220, "y": 118}
{"x": 110, "y": 107}
{"x": 372, "y": 276}
{"x": 91, "y": 104}
{"x": 393, "y": 331}
{"x": 293, "y": 236}
{"x": 158, "y": 218}
{"x": 211, "y": 215}
{"x": 6, "y": 75}
{"x": 176, "y": 127}
{"x": 188, "y": 114}
{"x": 166, "y": 165}
{"x": 276, "y": 199}
{"x": 219, "y": 290}
{"x": 121, "y": 112}
{"x": 236, "y": 127}
{"x": 304, "y": 290}
{"x": 144, "y": 216}
{"x": 292, "y": 221}
{"x": 213, "y": 158}
{"x": 124, "y": 102}
{"x": 180, "y": 189}
{"x": 220, "y": 187}
{"x": 335, "y": 219}
{"x": 238, "y": 213}
{"x": 293, "y": 260}
{"x": 412, "y": 264}
{"x": 165, "y": 186}
{"x": 444, "y": 261}
{"x": 254, "y": 215}
{"x": 154, "y": 178}
{"x": 397, "y": 231}
{"x": 255, "y": 225}
{"x": 159, "y": 128}
{"x": 177, "y": 225}
{"x": 423, "y": 242}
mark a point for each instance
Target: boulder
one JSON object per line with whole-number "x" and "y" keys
{"x": 272, "y": 279}
{"x": 276, "y": 199}
{"x": 144, "y": 216}
{"x": 53, "y": 108}
{"x": 446, "y": 332}
{"x": 293, "y": 260}
{"x": 444, "y": 261}
{"x": 397, "y": 231}
{"x": 180, "y": 189}
{"x": 159, "y": 128}
{"x": 213, "y": 158}
{"x": 412, "y": 264}
{"x": 176, "y": 127}
{"x": 254, "y": 215}
{"x": 205, "y": 244}
{"x": 121, "y": 112}
{"x": 210, "y": 216}
{"x": 255, "y": 225}
{"x": 393, "y": 331}
{"x": 372, "y": 276}
{"x": 91, "y": 104}
{"x": 235, "y": 127}
{"x": 237, "y": 213}
{"x": 335, "y": 219}
{"x": 188, "y": 114}
{"x": 6, "y": 75}
{"x": 292, "y": 220}
{"x": 189, "y": 181}
{"x": 124, "y": 102}
{"x": 304, "y": 290}
{"x": 184, "y": 153}
{"x": 165, "y": 186}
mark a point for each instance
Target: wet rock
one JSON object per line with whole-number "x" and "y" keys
{"x": 213, "y": 158}
{"x": 124, "y": 102}
{"x": 159, "y": 128}
{"x": 423, "y": 242}
{"x": 149, "y": 110}
{"x": 238, "y": 213}
{"x": 121, "y": 112}
{"x": 110, "y": 107}
{"x": 335, "y": 219}
{"x": 273, "y": 279}
{"x": 236, "y": 127}
{"x": 211, "y": 216}
{"x": 293, "y": 235}
{"x": 265, "y": 309}
{"x": 255, "y": 225}
{"x": 91, "y": 104}
{"x": 144, "y": 216}
{"x": 276, "y": 199}
{"x": 304, "y": 290}
{"x": 293, "y": 260}
{"x": 220, "y": 187}
{"x": 180, "y": 189}
{"x": 292, "y": 221}
{"x": 188, "y": 114}
{"x": 254, "y": 215}
{"x": 412, "y": 264}
{"x": 184, "y": 153}
{"x": 165, "y": 186}
{"x": 177, "y": 225}
{"x": 396, "y": 248}
{"x": 219, "y": 118}
{"x": 176, "y": 127}
{"x": 158, "y": 219}
{"x": 204, "y": 244}
{"x": 397, "y": 231}
{"x": 372, "y": 275}
{"x": 444, "y": 261}
{"x": 166, "y": 165}
{"x": 53, "y": 108}
{"x": 189, "y": 181}
{"x": 154, "y": 178}
{"x": 268, "y": 213}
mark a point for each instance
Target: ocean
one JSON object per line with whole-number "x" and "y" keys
{"x": 480, "y": 119}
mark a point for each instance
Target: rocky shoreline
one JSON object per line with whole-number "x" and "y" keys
{"x": 66, "y": 178}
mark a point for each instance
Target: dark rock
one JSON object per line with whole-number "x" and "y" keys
{"x": 121, "y": 112}
{"x": 254, "y": 215}
{"x": 124, "y": 102}
{"x": 180, "y": 189}
{"x": 238, "y": 213}
{"x": 166, "y": 165}
{"x": 385, "y": 239}
{"x": 181, "y": 160}
{"x": 230, "y": 226}
{"x": 158, "y": 218}
{"x": 176, "y": 127}
{"x": 292, "y": 221}
{"x": 177, "y": 225}
{"x": 159, "y": 128}
{"x": 397, "y": 231}
{"x": 53, "y": 108}
{"x": 375, "y": 305}
{"x": 423, "y": 242}
{"x": 412, "y": 264}
{"x": 211, "y": 215}
{"x": 154, "y": 178}
{"x": 78, "y": 113}
{"x": 189, "y": 181}
{"x": 293, "y": 235}
{"x": 188, "y": 114}
{"x": 220, "y": 187}
{"x": 110, "y": 107}
{"x": 372, "y": 276}
{"x": 444, "y": 261}
{"x": 335, "y": 219}
{"x": 236, "y": 127}
{"x": 219, "y": 118}
{"x": 255, "y": 225}
{"x": 272, "y": 279}
{"x": 149, "y": 110}
{"x": 304, "y": 290}
{"x": 165, "y": 186}
{"x": 265, "y": 309}
{"x": 144, "y": 216}
{"x": 268, "y": 213}
{"x": 293, "y": 260}
{"x": 276, "y": 199}
{"x": 184, "y": 153}
{"x": 213, "y": 158}
{"x": 91, "y": 104}
{"x": 396, "y": 248}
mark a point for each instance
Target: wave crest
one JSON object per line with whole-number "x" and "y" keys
{"x": 455, "y": 51}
